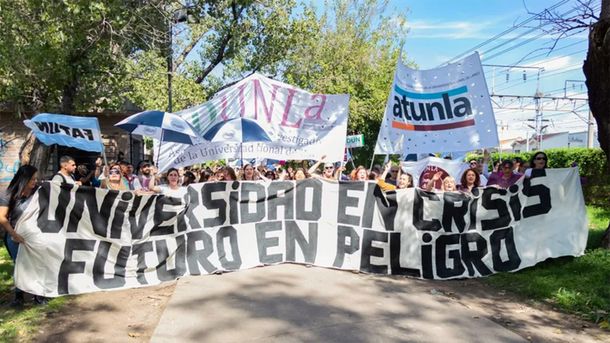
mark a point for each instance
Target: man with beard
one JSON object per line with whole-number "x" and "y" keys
{"x": 147, "y": 177}
{"x": 67, "y": 166}
{"x": 132, "y": 182}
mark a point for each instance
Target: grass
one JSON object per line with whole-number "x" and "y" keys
{"x": 579, "y": 285}
{"x": 19, "y": 325}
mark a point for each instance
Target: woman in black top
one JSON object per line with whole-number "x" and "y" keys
{"x": 12, "y": 204}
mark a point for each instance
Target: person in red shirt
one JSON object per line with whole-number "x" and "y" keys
{"x": 505, "y": 177}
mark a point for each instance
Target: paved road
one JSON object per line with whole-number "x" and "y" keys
{"x": 292, "y": 303}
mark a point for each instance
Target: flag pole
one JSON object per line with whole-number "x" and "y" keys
{"x": 159, "y": 148}
{"x": 372, "y": 161}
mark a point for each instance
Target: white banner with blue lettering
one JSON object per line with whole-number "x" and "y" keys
{"x": 77, "y": 132}
{"x": 438, "y": 110}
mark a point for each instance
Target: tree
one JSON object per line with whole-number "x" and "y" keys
{"x": 221, "y": 42}
{"x": 596, "y": 67}
{"x": 71, "y": 55}
{"x": 354, "y": 51}
{"x": 597, "y": 72}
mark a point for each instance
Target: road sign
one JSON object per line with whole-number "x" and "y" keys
{"x": 354, "y": 141}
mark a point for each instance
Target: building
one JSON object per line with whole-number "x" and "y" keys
{"x": 119, "y": 144}
{"x": 554, "y": 140}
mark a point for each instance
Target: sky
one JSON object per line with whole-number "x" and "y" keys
{"x": 439, "y": 31}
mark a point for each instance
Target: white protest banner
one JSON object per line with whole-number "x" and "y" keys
{"x": 78, "y": 132}
{"x": 438, "y": 110}
{"x": 278, "y": 121}
{"x": 423, "y": 170}
{"x": 82, "y": 239}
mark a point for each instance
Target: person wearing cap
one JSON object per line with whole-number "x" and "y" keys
{"x": 505, "y": 177}
{"x": 328, "y": 173}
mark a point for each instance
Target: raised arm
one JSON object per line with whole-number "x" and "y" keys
{"x": 313, "y": 168}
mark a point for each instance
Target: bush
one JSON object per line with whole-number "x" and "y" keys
{"x": 592, "y": 165}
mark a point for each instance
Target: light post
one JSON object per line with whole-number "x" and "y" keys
{"x": 178, "y": 16}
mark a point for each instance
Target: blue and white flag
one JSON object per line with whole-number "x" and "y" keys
{"x": 443, "y": 109}
{"x": 78, "y": 132}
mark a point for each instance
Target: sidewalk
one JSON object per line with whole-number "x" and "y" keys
{"x": 292, "y": 303}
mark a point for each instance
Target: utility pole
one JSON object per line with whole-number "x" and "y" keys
{"x": 180, "y": 15}
{"x": 590, "y": 131}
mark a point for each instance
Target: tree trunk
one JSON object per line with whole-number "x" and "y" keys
{"x": 597, "y": 72}
{"x": 67, "y": 98}
{"x": 34, "y": 153}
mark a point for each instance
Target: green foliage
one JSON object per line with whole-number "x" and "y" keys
{"x": 354, "y": 51}
{"x": 575, "y": 284}
{"x": 70, "y": 55}
{"x": 147, "y": 86}
{"x": 20, "y": 325}
{"x": 592, "y": 165}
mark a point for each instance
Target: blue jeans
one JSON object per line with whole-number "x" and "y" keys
{"x": 12, "y": 248}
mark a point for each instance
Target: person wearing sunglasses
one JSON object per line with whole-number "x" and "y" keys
{"x": 505, "y": 177}
{"x": 114, "y": 179}
{"x": 539, "y": 161}
{"x": 328, "y": 172}
{"x": 392, "y": 177}
{"x": 481, "y": 167}
{"x": 404, "y": 180}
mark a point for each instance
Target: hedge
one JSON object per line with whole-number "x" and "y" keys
{"x": 592, "y": 164}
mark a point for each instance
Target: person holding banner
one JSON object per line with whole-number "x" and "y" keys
{"x": 12, "y": 205}
{"x": 538, "y": 161}
{"x": 470, "y": 180}
{"x": 173, "y": 187}
{"x": 404, "y": 180}
{"x": 147, "y": 176}
{"x": 328, "y": 173}
{"x": 114, "y": 179}
{"x": 360, "y": 174}
{"x": 66, "y": 169}
{"x": 128, "y": 176}
{"x": 505, "y": 177}
{"x": 249, "y": 173}
{"x": 228, "y": 174}
{"x": 300, "y": 174}
{"x": 447, "y": 185}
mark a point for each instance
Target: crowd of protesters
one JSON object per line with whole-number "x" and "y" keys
{"x": 145, "y": 179}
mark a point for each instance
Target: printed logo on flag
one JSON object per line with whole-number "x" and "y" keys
{"x": 415, "y": 109}
{"x": 444, "y": 109}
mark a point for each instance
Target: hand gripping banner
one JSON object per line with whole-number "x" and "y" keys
{"x": 81, "y": 239}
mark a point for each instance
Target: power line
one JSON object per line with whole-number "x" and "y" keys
{"x": 529, "y": 31}
{"x": 507, "y": 31}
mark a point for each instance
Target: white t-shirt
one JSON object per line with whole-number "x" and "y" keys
{"x": 61, "y": 178}
{"x": 176, "y": 193}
